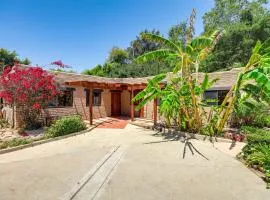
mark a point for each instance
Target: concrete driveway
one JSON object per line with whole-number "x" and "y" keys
{"x": 130, "y": 163}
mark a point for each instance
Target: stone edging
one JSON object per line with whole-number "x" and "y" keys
{"x": 39, "y": 142}
{"x": 195, "y": 136}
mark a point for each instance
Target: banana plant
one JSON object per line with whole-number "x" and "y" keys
{"x": 254, "y": 80}
{"x": 186, "y": 59}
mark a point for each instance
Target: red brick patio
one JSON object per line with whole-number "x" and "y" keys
{"x": 114, "y": 122}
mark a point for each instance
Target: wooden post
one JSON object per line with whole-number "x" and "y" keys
{"x": 155, "y": 111}
{"x": 132, "y": 106}
{"x": 91, "y": 106}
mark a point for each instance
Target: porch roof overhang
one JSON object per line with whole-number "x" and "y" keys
{"x": 107, "y": 85}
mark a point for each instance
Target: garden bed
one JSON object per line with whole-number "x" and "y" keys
{"x": 256, "y": 154}
{"x": 65, "y": 127}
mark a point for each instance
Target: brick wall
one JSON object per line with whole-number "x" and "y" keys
{"x": 79, "y": 106}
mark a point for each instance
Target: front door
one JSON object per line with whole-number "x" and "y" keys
{"x": 116, "y": 103}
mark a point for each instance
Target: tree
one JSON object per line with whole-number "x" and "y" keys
{"x": 9, "y": 58}
{"x": 179, "y": 32}
{"x": 235, "y": 47}
{"x": 29, "y": 89}
{"x": 121, "y": 62}
{"x": 227, "y": 12}
{"x": 118, "y": 55}
{"x": 97, "y": 71}
{"x": 139, "y": 46}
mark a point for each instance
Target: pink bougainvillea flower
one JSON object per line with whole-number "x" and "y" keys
{"x": 24, "y": 85}
{"x": 36, "y": 106}
{"x": 59, "y": 63}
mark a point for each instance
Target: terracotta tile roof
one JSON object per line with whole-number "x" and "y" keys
{"x": 62, "y": 77}
{"x": 226, "y": 78}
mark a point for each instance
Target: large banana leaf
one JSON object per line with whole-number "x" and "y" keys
{"x": 201, "y": 43}
{"x": 156, "y": 38}
{"x": 155, "y": 55}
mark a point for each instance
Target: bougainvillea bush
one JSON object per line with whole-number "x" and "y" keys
{"x": 29, "y": 89}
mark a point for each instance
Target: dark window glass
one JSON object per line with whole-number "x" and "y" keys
{"x": 158, "y": 101}
{"x": 96, "y": 97}
{"x": 221, "y": 96}
{"x": 211, "y": 97}
{"x": 1, "y": 103}
{"x": 64, "y": 99}
{"x": 215, "y": 97}
{"x": 87, "y": 96}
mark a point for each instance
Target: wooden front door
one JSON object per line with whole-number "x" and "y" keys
{"x": 116, "y": 103}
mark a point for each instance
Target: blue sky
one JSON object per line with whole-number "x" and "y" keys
{"x": 81, "y": 32}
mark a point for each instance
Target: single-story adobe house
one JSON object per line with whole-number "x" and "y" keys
{"x": 96, "y": 97}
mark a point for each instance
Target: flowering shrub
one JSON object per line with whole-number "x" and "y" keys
{"x": 59, "y": 63}
{"x": 29, "y": 89}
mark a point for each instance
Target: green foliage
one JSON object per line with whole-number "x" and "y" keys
{"x": 244, "y": 23}
{"x": 256, "y": 135}
{"x": 257, "y": 152}
{"x": 248, "y": 111}
{"x": 180, "y": 97}
{"x": 97, "y": 71}
{"x": 262, "y": 120}
{"x": 140, "y": 45}
{"x": 65, "y": 126}
{"x": 63, "y": 70}
{"x": 9, "y": 58}
{"x": 253, "y": 83}
{"x": 118, "y": 55}
{"x": 14, "y": 142}
{"x": 120, "y": 62}
{"x": 179, "y": 32}
{"x": 227, "y": 12}
{"x": 3, "y": 123}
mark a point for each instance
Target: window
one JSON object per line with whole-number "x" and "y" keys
{"x": 1, "y": 103}
{"x": 64, "y": 99}
{"x": 158, "y": 101}
{"x": 214, "y": 97}
{"x": 96, "y": 97}
{"x": 221, "y": 96}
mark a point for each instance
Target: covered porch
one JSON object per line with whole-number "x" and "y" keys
{"x": 119, "y": 100}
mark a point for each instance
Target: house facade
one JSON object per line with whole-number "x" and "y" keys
{"x": 95, "y": 97}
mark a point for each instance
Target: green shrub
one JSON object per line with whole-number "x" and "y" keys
{"x": 257, "y": 151}
{"x": 65, "y": 126}
{"x": 256, "y": 135}
{"x": 14, "y": 142}
{"x": 258, "y": 154}
{"x": 3, "y": 123}
{"x": 262, "y": 121}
